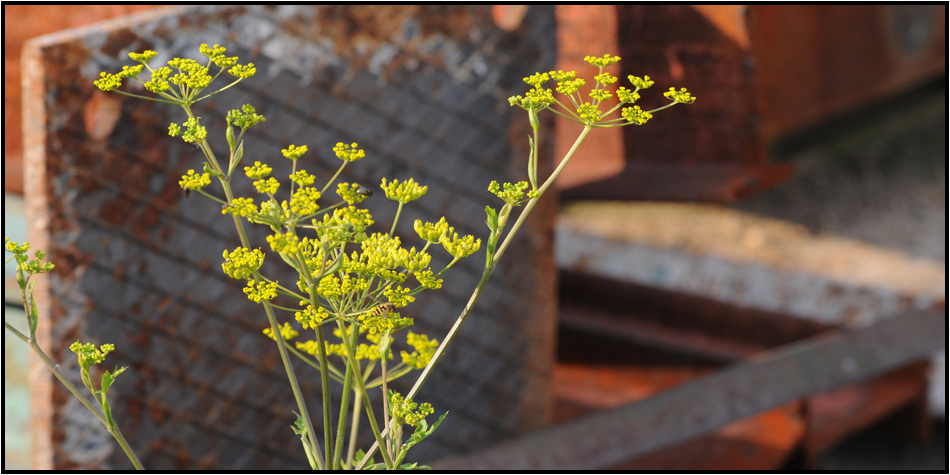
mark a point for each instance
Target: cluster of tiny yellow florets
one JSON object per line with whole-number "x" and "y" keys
{"x": 194, "y": 132}
{"x": 261, "y": 291}
{"x": 348, "y": 153}
{"x": 242, "y": 263}
{"x": 431, "y": 232}
{"x": 287, "y": 243}
{"x": 344, "y": 225}
{"x": 459, "y": 247}
{"x": 294, "y": 152}
{"x": 194, "y": 181}
{"x": 257, "y": 171}
{"x": 405, "y": 411}
{"x": 191, "y": 74}
{"x": 241, "y": 207}
{"x": 304, "y": 201}
{"x": 267, "y": 186}
{"x": 286, "y": 332}
{"x": 302, "y": 178}
{"x": 427, "y": 280}
{"x": 20, "y": 253}
{"x": 384, "y": 323}
{"x": 352, "y": 193}
{"x": 88, "y": 353}
{"x": 310, "y": 318}
{"x": 512, "y": 193}
{"x": 399, "y": 296}
{"x": 607, "y": 60}
{"x": 640, "y": 83}
{"x": 537, "y": 98}
{"x": 216, "y": 55}
{"x": 635, "y": 115}
{"x": 108, "y": 82}
{"x": 425, "y": 349}
{"x": 681, "y": 96}
{"x": 403, "y": 192}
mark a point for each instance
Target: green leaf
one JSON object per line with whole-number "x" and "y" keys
{"x": 360, "y": 455}
{"x": 492, "y": 220}
{"x": 299, "y": 427}
{"x": 422, "y": 431}
{"x": 109, "y": 378}
{"x": 532, "y": 165}
{"x": 211, "y": 171}
{"x": 290, "y": 262}
{"x": 34, "y": 316}
{"x": 378, "y": 466}
{"x": 414, "y": 466}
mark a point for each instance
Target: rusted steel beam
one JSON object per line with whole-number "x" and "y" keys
{"x": 809, "y": 367}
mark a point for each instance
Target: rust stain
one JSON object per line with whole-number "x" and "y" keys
{"x": 101, "y": 114}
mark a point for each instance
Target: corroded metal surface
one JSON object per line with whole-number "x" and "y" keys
{"x": 698, "y": 407}
{"x": 423, "y": 89}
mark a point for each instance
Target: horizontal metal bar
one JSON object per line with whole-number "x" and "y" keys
{"x": 811, "y": 366}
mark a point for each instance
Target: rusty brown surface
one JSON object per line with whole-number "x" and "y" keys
{"x": 20, "y": 23}
{"x": 833, "y": 416}
{"x": 813, "y": 62}
{"x": 813, "y": 366}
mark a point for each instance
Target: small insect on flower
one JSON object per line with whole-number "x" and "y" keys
{"x": 187, "y": 191}
{"x": 383, "y": 309}
{"x": 363, "y": 191}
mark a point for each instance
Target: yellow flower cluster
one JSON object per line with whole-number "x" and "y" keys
{"x": 607, "y": 60}
{"x": 257, "y": 171}
{"x": 242, "y": 263}
{"x": 640, "y": 83}
{"x": 311, "y": 318}
{"x": 512, "y": 193}
{"x": 216, "y": 55}
{"x": 19, "y": 251}
{"x": 635, "y": 115}
{"x": 352, "y": 193}
{"x": 425, "y": 349}
{"x": 399, "y": 296}
{"x": 260, "y": 291}
{"x": 267, "y": 186}
{"x": 194, "y": 181}
{"x": 681, "y": 96}
{"x": 88, "y": 353}
{"x": 459, "y": 247}
{"x": 427, "y": 280}
{"x": 286, "y": 332}
{"x": 304, "y": 201}
{"x": 287, "y": 243}
{"x": 627, "y": 96}
{"x": 405, "y": 411}
{"x": 404, "y": 192}
{"x": 605, "y": 78}
{"x": 303, "y": 178}
{"x": 240, "y": 207}
{"x": 348, "y": 153}
{"x": 294, "y": 152}
{"x": 108, "y": 82}
{"x": 194, "y": 132}
{"x": 431, "y": 232}
{"x": 191, "y": 74}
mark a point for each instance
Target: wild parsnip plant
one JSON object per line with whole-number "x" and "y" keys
{"x": 352, "y": 278}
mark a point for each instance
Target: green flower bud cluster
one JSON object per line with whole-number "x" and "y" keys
{"x": 245, "y": 118}
{"x": 431, "y": 232}
{"x": 261, "y": 291}
{"x": 607, "y": 60}
{"x": 425, "y": 349}
{"x": 405, "y": 411}
{"x": 635, "y": 115}
{"x": 286, "y": 332}
{"x": 680, "y": 96}
{"x": 352, "y": 193}
{"x": 403, "y": 192}
{"x": 89, "y": 355}
{"x": 242, "y": 263}
{"x": 294, "y": 152}
{"x": 194, "y": 181}
{"x": 417, "y": 261}
{"x": 512, "y": 194}
{"x": 459, "y": 247}
{"x": 348, "y": 153}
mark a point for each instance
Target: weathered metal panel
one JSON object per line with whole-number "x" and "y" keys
{"x": 813, "y": 366}
{"x": 423, "y": 89}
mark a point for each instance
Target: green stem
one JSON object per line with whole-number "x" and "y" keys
{"x": 324, "y": 190}
{"x": 351, "y": 354}
{"x": 334, "y": 373}
{"x": 481, "y": 284}
{"x": 396, "y": 219}
{"x": 354, "y": 429}
{"x": 344, "y": 404}
{"x": 325, "y": 385}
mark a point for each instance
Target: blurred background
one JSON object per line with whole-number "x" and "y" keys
{"x": 802, "y": 197}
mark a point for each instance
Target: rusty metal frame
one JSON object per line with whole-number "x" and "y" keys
{"x": 808, "y": 367}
